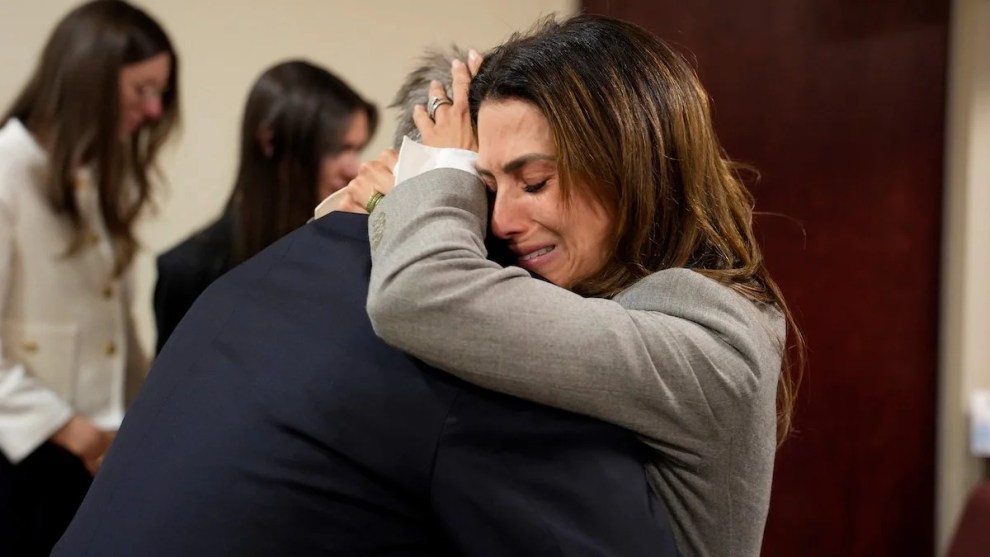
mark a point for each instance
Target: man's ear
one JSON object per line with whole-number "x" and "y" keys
{"x": 266, "y": 139}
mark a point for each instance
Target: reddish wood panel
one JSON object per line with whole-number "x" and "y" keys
{"x": 840, "y": 105}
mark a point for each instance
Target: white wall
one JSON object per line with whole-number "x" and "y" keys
{"x": 965, "y": 327}
{"x": 225, "y": 44}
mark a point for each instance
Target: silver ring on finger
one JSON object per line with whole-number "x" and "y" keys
{"x": 433, "y": 104}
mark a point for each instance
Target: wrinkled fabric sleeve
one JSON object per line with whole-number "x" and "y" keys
{"x": 672, "y": 358}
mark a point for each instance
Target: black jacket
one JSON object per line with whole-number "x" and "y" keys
{"x": 185, "y": 271}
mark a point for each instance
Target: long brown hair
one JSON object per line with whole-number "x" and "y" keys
{"x": 631, "y": 122}
{"x": 72, "y": 102}
{"x": 296, "y": 114}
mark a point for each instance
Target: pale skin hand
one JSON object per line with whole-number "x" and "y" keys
{"x": 84, "y": 440}
{"x": 373, "y": 176}
{"x": 452, "y": 129}
{"x": 453, "y": 121}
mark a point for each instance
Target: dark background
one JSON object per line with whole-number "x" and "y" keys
{"x": 840, "y": 104}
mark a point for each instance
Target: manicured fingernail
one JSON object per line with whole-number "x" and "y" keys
{"x": 456, "y": 63}
{"x": 473, "y": 54}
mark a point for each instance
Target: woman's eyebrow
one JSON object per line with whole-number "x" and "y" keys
{"x": 517, "y": 163}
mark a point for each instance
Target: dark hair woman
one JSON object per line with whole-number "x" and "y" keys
{"x": 301, "y": 135}
{"x": 600, "y": 168}
{"x": 77, "y": 154}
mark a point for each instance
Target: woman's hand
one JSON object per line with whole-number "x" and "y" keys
{"x": 451, "y": 125}
{"x": 373, "y": 176}
{"x": 84, "y": 440}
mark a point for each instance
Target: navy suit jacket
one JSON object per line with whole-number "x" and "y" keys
{"x": 276, "y": 423}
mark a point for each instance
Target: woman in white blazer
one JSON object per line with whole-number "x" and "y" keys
{"x": 76, "y": 148}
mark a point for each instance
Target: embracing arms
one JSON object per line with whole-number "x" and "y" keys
{"x": 673, "y": 358}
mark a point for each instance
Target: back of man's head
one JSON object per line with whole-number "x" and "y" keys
{"x": 434, "y": 65}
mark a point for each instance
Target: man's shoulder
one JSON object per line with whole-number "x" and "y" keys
{"x": 353, "y": 226}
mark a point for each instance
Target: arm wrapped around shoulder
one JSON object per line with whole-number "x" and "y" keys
{"x": 677, "y": 357}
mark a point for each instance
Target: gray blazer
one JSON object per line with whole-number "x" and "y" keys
{"x": 685, "y": 362}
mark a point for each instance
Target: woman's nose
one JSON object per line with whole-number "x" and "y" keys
{"x": 506, "y": 218}
{"x": 153, "y": 108}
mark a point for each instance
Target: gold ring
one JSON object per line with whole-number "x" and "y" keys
{"x": 373, "y": 202}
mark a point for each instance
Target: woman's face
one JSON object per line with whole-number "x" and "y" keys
{"x": 142, "y": 85}
{"x": 566, "y": 243}
{"x": 338, "y": 169}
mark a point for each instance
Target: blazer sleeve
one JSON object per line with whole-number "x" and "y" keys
{"x": 30, "y": 412}
{"x": 514, "y": 478}
{"x": 674, "y": 358}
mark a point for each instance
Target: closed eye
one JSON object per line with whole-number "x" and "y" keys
{"x": 533, "y": 188}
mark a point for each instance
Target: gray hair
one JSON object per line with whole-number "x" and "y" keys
{"x": 434, "y": 64}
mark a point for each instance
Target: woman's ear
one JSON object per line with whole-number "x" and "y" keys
{"x": 266, "y": 138}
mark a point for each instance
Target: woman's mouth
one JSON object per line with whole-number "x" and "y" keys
{"x": 534, "y": 254}
{"x": 536, "y": 261}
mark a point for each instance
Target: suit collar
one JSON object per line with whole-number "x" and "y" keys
{"x": 351, "y": 225}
